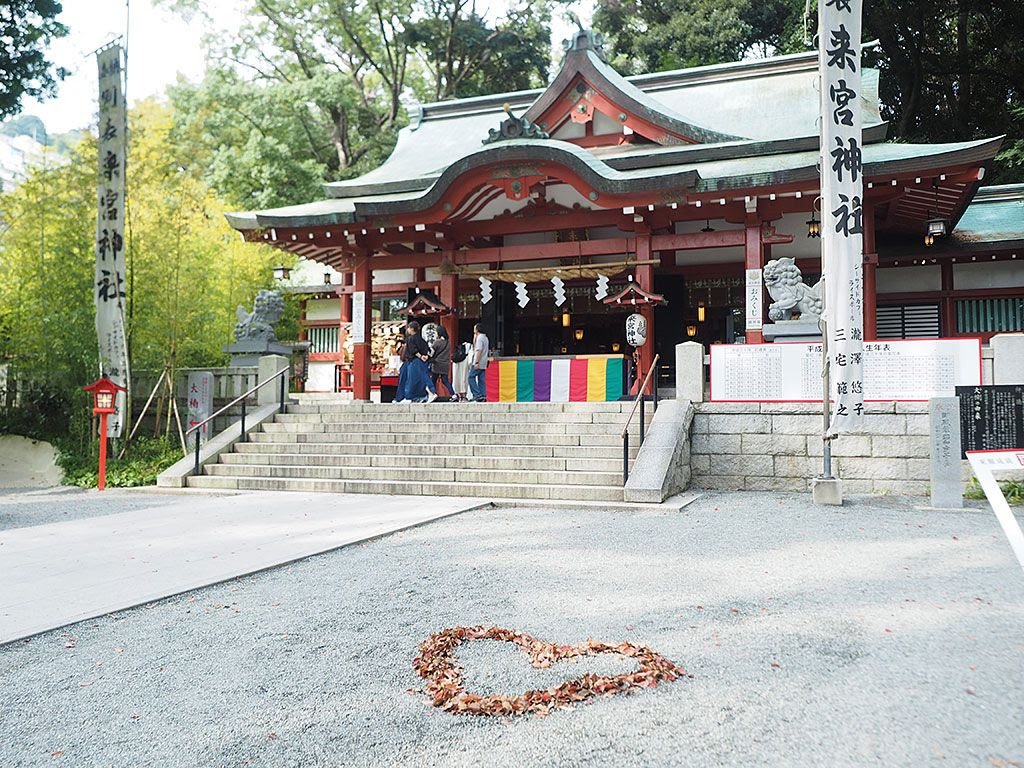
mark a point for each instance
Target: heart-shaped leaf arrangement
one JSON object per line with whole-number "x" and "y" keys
{"x": 436, "y": 663}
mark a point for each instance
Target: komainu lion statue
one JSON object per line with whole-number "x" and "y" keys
{"x": 259, "y": 324}
{"x": 789, "y": 293}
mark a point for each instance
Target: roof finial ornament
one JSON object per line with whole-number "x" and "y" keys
{"x": 514, "y": 128}
{"x": 584, "y": 39}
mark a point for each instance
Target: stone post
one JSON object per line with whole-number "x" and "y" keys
{"x": 1008, "y": 358}
{"x": 690, "y": 371}
{"x": 268, "y": 366}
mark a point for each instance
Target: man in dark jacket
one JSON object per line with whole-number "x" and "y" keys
{"x": 414, "y": 375}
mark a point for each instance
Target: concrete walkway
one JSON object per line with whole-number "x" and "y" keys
{"x": 59, "y": 573}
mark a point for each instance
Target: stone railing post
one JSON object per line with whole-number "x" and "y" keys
{"x": 690, "y": 371}
{"x": 269, "y": 365}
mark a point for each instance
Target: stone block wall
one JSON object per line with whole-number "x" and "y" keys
{"x": 778, "y": 447}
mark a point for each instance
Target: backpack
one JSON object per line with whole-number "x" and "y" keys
{"x": 459, "y": 353}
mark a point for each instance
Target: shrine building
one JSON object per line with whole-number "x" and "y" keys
{"x": 651, "y": 194}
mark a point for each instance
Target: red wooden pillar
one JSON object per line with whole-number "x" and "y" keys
{"x": 450, "y": 296}
{"x": 645, "y": 279}
{"x": 947, "y": 308}
{"x": 303, "y": 332}
{"x": 361, "y": 351}
{"x": 870, "y": 268}
{"x": 346, "y": 298}
{"x": 753, "y": 258}
{"x": 345, "y": 314}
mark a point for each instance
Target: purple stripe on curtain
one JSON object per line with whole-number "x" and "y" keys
{"x": 542, "y": 381}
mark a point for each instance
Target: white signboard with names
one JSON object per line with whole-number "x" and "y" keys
{"x": 358, "y": 329}
{"x": 909, "y": 370}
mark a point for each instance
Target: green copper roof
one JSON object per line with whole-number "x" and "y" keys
{"x": 763, "y": 100}
{"x": 996, "y": 215}
{"x": 708, "y": 175}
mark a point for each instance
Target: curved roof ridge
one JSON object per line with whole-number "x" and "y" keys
{"x": 738, "y": 69}
{"x": 582, "y": 61}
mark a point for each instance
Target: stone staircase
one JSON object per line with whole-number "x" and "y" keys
{"x": 495, "y": 450}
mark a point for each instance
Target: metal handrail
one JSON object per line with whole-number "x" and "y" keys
{"x": 241, "y": 398}
{"x": 641, "y": 403}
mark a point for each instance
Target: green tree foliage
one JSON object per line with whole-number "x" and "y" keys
{"x": 27, "y": 27}
{"x": 187, "y": 269}
{"x": 312, "y": 90}
{"x": 672, "y": 34}
{"x": 464, "y": 55}
{"x": 953, "y": 72}
{"x": 949, "y": 71}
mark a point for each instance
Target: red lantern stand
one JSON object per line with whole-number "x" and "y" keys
{"x": 104, "y": 394}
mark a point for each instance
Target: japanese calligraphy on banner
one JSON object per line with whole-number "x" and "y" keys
{"x": 109, "y": 286}
{"x": 842, "y": 184}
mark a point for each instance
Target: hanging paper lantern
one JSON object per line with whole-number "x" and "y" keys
{"x": 636, "y": 330}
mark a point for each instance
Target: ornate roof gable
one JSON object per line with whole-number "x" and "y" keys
{"x": 585, "y": 84}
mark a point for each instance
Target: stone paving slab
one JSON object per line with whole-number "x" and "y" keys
{"x": 59, "y": 573}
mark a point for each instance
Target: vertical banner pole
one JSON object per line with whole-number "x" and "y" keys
{"x": 109, "y": 283}
{"x": 826, "y": 403}
{"x": 101, "y": 482}
{"x": 842, "y": 213}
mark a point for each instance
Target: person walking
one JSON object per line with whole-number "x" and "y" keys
{"x": 478, "y": 368}
{"x": 414, "y": 376}
{"x": 441, "y": 361}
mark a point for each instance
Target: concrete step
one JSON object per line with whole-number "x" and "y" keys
{"x": 288, "y": 423}
{"x": 324, "y": 406}
{"x": 447, "y": 416}
{"x": 445, "y": 475}
{"x": 576, "y": 452}
{"x": 498, "y": 463}
{"x": 413, "y": 488}
{"x": 286, "y": 433}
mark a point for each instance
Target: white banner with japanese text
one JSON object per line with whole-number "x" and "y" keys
{"x": 842, "y": 185}
{"x": 109, "y": 285}
{"x": 754, "y": 291}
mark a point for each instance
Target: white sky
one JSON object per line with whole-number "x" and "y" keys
{"x": 161, "y": 45}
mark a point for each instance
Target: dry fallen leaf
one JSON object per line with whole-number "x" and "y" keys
{"x": 437, "y": 665}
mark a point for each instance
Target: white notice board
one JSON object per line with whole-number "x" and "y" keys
{"x": 908, "y": 369}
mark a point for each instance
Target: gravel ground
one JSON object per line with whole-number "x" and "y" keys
{"x": 25, "y": 507}
{"x": 873, "y": 635}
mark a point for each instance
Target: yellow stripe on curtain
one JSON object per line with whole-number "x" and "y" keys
{"x": 507, "y": 381}
{"x": 597, "y": 379}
